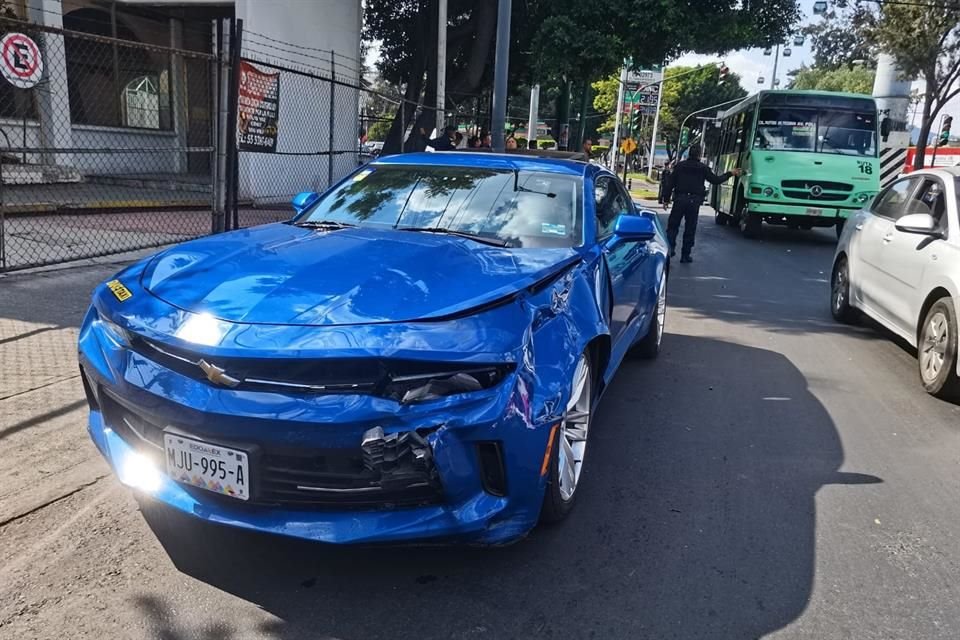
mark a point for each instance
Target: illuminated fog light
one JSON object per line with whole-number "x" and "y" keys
{"x": 202, "y": 329}
{"x": 139, "y": 472}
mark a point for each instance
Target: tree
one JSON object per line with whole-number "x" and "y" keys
{"x": 556, "y": 43}
{"x": 857, "y": 79}
{"x": 924, "y": 39}
{"x": 686, "y": 91}
{"x": 606, "y": 93}
{"x": 840, "y": 38}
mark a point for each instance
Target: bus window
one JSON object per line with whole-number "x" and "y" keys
{"x": 747, "y": 129}
{"x": 786, "y": 129}
{"x": 847, "y": 132}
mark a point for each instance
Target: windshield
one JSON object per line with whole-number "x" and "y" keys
{"x": 513, "y": 208}
{"x": 818, "y": 130}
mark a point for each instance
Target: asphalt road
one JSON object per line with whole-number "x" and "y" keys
{"x": 773, "y": 473}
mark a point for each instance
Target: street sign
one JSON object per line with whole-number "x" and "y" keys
{"x": 628, "y": 146}
{"x": 20, "y": 60}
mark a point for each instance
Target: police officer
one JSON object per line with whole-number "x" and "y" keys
{"x": 686, "y": 185}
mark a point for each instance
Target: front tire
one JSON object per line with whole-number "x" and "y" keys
{"x": 840, "y": 294}
{"x": 720, "y": 218}
{"x": 569, "y": 445}
{"x": 750, "y": 224}
{"x": 937, "y": 351}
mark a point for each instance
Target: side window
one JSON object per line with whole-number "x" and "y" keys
{"x": 930, "y": 199}
{"x": 610, "y": 202}
{"x": 892, "y": 202}
{"x": 747, "y": 129}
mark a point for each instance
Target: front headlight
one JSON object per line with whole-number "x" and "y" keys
{"x": 430, "y": 386}
{"x": 114, "y": 331}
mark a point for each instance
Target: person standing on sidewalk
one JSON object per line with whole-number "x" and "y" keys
{"x": 686, "y": 185}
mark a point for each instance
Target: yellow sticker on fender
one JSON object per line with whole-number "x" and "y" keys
{"x": 120, "y": 291}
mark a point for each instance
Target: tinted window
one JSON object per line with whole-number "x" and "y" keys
{"x": 892, "y": 202}
{"x": 823, "y": 131}
{"x": 610, "y": 203}
{"x": 931, "y": 200}
{"x": 523, "y": 208}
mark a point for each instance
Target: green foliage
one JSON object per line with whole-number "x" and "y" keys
{"x": 684, "y": 94}
{"x": 924, "y": 39}
{"x": 839, "y": 38}
{"x": 853, "y": 80}
{"x": 378, "y": 130}
{"x": 605, "y": 100}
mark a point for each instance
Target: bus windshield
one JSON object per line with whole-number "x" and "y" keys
{"x": 817, "y": 130}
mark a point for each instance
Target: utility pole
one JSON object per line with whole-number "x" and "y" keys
{"x": 616, "y": 125}
{"x": 656, "y": 122}
{"x": 501, "y": 69}
{"x": 441, "y": 64}
{"x": 534, "y": 111}
{"x": 776, "y": 59}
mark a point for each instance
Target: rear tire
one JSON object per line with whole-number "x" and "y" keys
{"x": 937, "y": 351}
{"x": 720, "y": 218}
{"x": 648, "y": 347}
{"x": 840, "y": 294}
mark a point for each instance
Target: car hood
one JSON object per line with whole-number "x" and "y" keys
{"x": 280, "y": 274}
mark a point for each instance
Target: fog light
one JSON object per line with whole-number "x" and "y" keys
{"x": 768, "y": 191}
{"x": 860, "y": 198}
{"x": 139, "y": 472}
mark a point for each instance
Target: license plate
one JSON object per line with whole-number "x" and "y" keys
{"x": 812, "y": 211}
{"x": 212, "y": 467}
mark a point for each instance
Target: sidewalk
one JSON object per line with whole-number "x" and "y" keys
{"x": 46, "y": 453}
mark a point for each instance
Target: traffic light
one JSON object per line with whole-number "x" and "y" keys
{"x": 684, "y": 136}
{"x": 724, "y": 72}
{"x": 945, "y": 131}
{"x": 635, "y": 119}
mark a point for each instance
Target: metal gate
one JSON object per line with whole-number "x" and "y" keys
{"x": 113, "y": 150}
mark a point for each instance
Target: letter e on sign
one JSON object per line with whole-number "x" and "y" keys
{"x": 20, "y": 60}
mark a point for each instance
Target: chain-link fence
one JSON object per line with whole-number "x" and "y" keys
{"x": 112, "y": 149}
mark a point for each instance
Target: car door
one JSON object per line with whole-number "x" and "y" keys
{"x": 906, "y": 256}
{"x": 625, "y": 260}
{"x": 874, "y": 234}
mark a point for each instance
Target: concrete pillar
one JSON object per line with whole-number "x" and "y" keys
{"x": 52, "y": 93}
{"x": 892, "y": 93}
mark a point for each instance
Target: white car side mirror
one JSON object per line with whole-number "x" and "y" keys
{"x": 919, "y": 223}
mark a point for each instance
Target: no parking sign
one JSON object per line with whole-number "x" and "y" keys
{"x": 20, "y": 60}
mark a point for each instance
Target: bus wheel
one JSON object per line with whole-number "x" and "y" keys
{"x": 720, "y": 218}
{"x": 750, "y": 225}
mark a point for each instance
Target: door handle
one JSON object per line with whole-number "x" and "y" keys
{"x": 859, "y": 227}
{"x": 888, "y": 238}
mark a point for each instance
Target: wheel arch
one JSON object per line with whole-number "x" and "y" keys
{"x": 938, "y": 293}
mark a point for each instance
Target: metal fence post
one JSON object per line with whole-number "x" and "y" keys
{"x": 3, "y": 230}
{"x": 233, "y": 169}
{"x": 333, "y": 84}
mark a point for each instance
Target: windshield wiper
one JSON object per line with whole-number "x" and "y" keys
{"x": 323, "y": 224}
{"x": 518, "y": 187}
{"x": 494, "y": 242}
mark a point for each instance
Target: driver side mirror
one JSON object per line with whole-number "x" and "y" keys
{"x": 634, "y": 228}
{"x": 919, "y": 223}
{"x": 304, "y": 200}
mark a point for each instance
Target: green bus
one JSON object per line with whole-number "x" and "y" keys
{"x": 809, "y": 160}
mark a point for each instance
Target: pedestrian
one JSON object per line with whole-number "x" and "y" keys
{"x": 486, "y": 141}
{"x": 443, "y": 142}
{"x": 686, "y": 186}
{"x": 458, "y": 140}
{"x": 473, "y": 142}
{"x": 664, "y": 181}
{"x": 532, "y": 144}
{"x": 588, "y": 147}
{"x": 511, "y": 142}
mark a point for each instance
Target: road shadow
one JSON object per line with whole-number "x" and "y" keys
{"x": 696, "y": 519}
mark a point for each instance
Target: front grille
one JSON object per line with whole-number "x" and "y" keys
{"x": 384, "y": 377}
{"x": 826, "y": 185}
{"x": 295, "y": 478}
{"x": 823, "y": 197}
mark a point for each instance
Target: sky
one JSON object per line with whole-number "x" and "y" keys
{"x": 750, "y": 64}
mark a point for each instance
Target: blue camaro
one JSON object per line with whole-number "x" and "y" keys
{"x": 416, "y": 355}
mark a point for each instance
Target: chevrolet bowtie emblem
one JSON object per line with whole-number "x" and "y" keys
{"x": 217, "y": 375}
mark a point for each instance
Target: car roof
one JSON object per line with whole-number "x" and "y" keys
{"x": 953, "y": 172}
{"x": 485, "y": 160}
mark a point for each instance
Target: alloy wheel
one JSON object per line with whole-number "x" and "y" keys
{"x": 933, "y": 350}
{"x": 574, "y": 429}
{"x": 661, "y": 308}
{"x": 839, "y": 288}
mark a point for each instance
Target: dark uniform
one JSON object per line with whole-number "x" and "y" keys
{"x": 687, "y": 191}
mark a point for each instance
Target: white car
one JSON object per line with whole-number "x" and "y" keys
{"x": 898, "y": 261}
